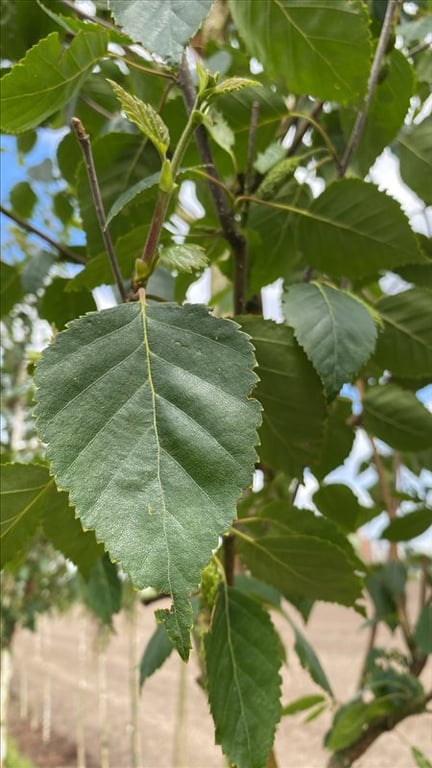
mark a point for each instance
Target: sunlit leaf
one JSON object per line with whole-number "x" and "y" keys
{"x": 47, "y": 78}
{"x": 145, "y": 117}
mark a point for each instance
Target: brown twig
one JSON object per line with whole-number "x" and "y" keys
{"x": 360, "y": 122}
{"x": 84, "y": 141}
{"x": 62, "y": 249}
{"x": 224, "y": 211}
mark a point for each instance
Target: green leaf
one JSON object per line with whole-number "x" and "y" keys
{"x": 423, "y": 630}
{"x": 11, "y": 289}
{"x": 232, "y": 84}
{"x": 420, "y": 759}
{"x": 30, "y": 498}
{"x": 59, "y": 307}
{"x": 145, "y": 117}
{"x": 304, "y": 702}
{"x": 340, "y": 504}
{"x": 404, "y": 346}
{"x": 178, "y": 624}
{"x": 132, "y": 159}
{"x": 28, "y": 493}
{"x": 103, "y": 590}
{"x": 158, "y": 649}
{"x": 23, "y": 199}
{"x": 287, "y": 519}
{"x": 408, "y": 526}
{"x": 24, "y": 492}
{"x": 384, "y": 584}
{"x": 348, "y": 725}
{"x": 291, "y": 394}
{"x": 415, "y": 157}
{"x": 63, "y": 208}
{"x": 272, "y": 236}
{"x": 320, "y": 48}
{"x": 35, "y": 271}
{"x": 397, "y": 417}
{"x": 150, "y": 405}
{"x": 334, "y": 328}
{"x": 177, "y": 22}
{"x": 66, "y": 533}
{"x": 300, "y": 565}
{"x": 48, "y": 78}
{"x": 346, "y": 231}
{"x": 386, "y": 113}
{"x": 132, "y": 193}
{"x": 184, "y": 258}
{"x": 308, "y": 658}
{"x": 243, "y": 661}
{"x": 338, "y": 438}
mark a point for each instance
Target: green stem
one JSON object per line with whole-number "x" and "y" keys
{"x": 149, "y": 255}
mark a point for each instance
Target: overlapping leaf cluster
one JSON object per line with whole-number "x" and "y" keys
{"x": 155, "y": 413}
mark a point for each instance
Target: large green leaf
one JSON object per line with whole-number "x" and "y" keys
{"x": 243, "y": 661}
{"x": 319, "y": 47}
{"x": 353, "y": 229}
{"x": 148, "y": 423}
{"x": 47, "y": 78}
{"x": 415, "y": 157}
{"x": 334, "y": 328}
{"x": 30, "y": 498}
{"x": 404, "y": 346}
{"x": 162, "y": 26}
{"x": 397, "y": 417}
{"x": 291, "y": 394}
{"x": 338, "y": 438}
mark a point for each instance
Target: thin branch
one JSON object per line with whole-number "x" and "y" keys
{"x": 346, "y": 757}
{"x": 251, "y": 146}
{"x": 84, "y": 141}
{"x": 358, "y": 128}
{"x": 304, "y": 125}
{"x": 224, "y": 211}
{"x": 62, "y": 249}
{"x": 419, "y": 48}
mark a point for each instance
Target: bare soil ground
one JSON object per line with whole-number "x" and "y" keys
{"x": 61, "y": 666}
